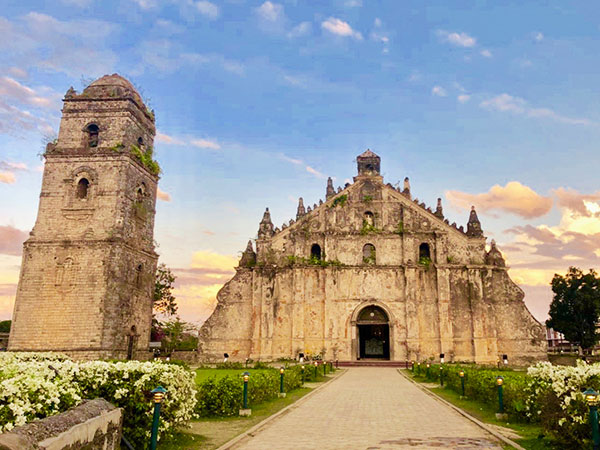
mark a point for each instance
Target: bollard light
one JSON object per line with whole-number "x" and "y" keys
{"x": 499, "y": 383}
{"x": 441, "y": 375}
{"x": 302, "y": 374}
{"x": 246, "y": 378}
{"x": 591, "y": 398}
{"x": 281, "y": 371}
{"x": 412, "y": 366}
{"x": 461, "y": 374}
{"x": 157, "y": 396}
{"x": 316, "y": 365}
{"x": 427, "y": 371}
{"x": 324, "y": 368}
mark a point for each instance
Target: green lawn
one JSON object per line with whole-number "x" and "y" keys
{"x": 204, "y": 374}
{"x": 532, "y": 435}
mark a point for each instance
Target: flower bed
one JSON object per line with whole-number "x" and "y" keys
{"x": 34, "y": 386}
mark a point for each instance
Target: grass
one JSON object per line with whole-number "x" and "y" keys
{"x": 204, "y": 374}
{"x": 532, "y": 436}
{"x": 212, "y": 432}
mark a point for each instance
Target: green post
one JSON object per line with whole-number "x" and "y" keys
{"x": 159, "y": 394}
{"x": 412, "y": 364}
{"x": 246, "y": 378}
{"x": 499, "y": 382}
{"x": 316, "y": 364}
{"x": 591, "y": 397}
{"x": 324, "y": 368}
{"x": 419, "y": 369}
{"x": 462, "y": 381}
{"x": 427, "y": 371}
{"x": 441, "y": 375}
{"x": 281, "y": 380}
{"x": 303, "y": 375}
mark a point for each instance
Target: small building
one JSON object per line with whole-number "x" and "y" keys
{"x": 371, "y": 273}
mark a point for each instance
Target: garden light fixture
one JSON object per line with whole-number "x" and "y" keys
{"x": 158, "y": 394}
{"x": 591, "y": 398}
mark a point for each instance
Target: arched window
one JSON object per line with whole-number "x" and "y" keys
{"x": 139, "y": 195}
{"x": 369, "y": 254}
{"x": 82, "y": 188}
{"x": 140, "y": 142}
{"x": 138, "y": 276}
{"x": 93, "y": 132}
{"x": 369, "y": 219}
{"x": 315, "y": 251}
{"x": 424, "y": 252}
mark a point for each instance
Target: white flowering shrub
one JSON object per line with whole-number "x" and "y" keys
{"x": 557, "y": 398}
{"x": 32, "y": 387}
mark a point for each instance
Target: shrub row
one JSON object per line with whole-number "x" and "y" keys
{"x": 224, "y": 396}
{"x": 34, "y": 386}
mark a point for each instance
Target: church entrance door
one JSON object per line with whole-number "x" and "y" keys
{"x": 373, "y": 333}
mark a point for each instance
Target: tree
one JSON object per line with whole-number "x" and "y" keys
{"x": 164, "y": 300}
{"x": 178, "y": 335}
{"x": 5, "y": 326}
{"x": 575, "y": 308}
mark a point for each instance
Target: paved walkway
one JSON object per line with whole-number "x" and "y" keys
{"x": 370, "y": 408}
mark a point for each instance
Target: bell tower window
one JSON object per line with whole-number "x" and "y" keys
{"x": 82, "y": 188}
{"x": 369, "y": 254}
{"x": 93, "y": 135}
{"x": 140, "y": 143}
{"x": 424, "y": 252}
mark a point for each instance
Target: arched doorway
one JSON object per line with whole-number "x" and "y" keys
{"x": 373, "y": 333}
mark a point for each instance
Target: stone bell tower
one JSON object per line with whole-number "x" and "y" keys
{"x": 87, "y": 276}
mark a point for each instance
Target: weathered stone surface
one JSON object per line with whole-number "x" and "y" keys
{"x": 87, "y": 274}
{"x": 94, "y": 424}
{"x": 439, "y": 288}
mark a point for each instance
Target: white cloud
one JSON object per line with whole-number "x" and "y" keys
{"x": 340, "y": 28}
{"x": 7, "y": 177}
{"x": 146, "y": 4}
{"x": 271, "y": 12}
{"x": 438, "y": 91}
{"x": 205, "y": 143}
{"x": 353, "y": 3}
{"x": 169, "y": 140}
{"x": 301, "y": 29}
{"x": 538, "y": 36}
{"x": 8, "y": 169}
{"x": 12, "y": 89}
{"x": 161, "y": 195}
{"x": 457, "y": 39}
{"x": 17, "y": 72}
{"x": 314, "y": 172}
{"x": 78, "y": 3}
{"x": 463, "y": 98}
{"x": 377, "y": 22}
{"x": 485, "y": 53}
{"x": 208, "y": 9}
{"x": 300, "y": 163}
{"x": 516, "y": 105}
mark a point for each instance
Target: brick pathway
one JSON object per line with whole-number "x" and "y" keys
{"x": 370, "y": 408}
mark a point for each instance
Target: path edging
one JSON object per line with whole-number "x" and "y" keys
{"x": 463, "y": 413}
{"x": 240, "y": 437}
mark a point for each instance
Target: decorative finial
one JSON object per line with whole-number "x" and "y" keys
{"x": 301, "y": 211}
{"x": 330, "y": 192}
{"x": 474, "y": 226}
{"x": 406, "y": 190}
{"x": 265, "y": 229}
{"x": 439, "y": 212}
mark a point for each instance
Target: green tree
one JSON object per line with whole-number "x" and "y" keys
{"x": 575, "y": 308}
{"x": 164, "y": 300}
{"x": 178, "y": 335}
{"x": 5, "y": 326}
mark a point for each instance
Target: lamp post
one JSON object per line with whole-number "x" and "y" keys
{"x": 324, "y": 368}
{"x": 441, "y": 375}
{"x": 245, "y": 411}
{"x": 461, "y": 374}
{"x": 281, "y": 372}
{"x": 427, "y": 371}
{"x": 500, "y": 415}
{"x": 316, "y": 365}
{"x": 419, "y": 369}
{"x": 591, "y": 397}
{"x": 158, "y": 395}
{"x": 303, "y": 374}
{"x": 412, "y": 366}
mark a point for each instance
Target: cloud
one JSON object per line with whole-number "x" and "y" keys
{"x": 208, "y": 9}
{"x": 457, "y": 39}
{"x": 146, "y": 4}
{"x": 516, "y": 105}
{"x": 353, "y": 3}
{"x": 205, "y": 143}
{"x": 187, "y": 141}
{"x": 582, "y": 204}
{"x": 486, "y": 53}
{"x": 302, "y": 29}
{"x": 8, "y": 169}
{"x": 78, "y": 3}
{"x": 73, "y": 47}
{"x": 340, "y": 28}
{"x": 538, "y": 36}
{"x": 514, "y": 198}
{"x": 270, "y": 12}
{"x": 15, "y": 91}
{"x": 17, "y": 72}
{"x": 165, "y": 197}
{"x": 300, "y": 163}
{"x": 377, "y": 22}
{"x": 463, "y": 98}
{"x": 11, "y": 240}
{"x": 438, "y": 91}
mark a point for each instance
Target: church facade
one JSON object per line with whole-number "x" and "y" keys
{"x": 371, "y": 273}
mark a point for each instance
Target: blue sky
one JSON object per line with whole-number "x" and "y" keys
{"x": 257, "y": 102}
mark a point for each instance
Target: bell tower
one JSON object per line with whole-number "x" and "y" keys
{"x": 87, "y": 275}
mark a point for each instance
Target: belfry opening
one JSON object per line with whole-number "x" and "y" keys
{"x": 373, "y": 333}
